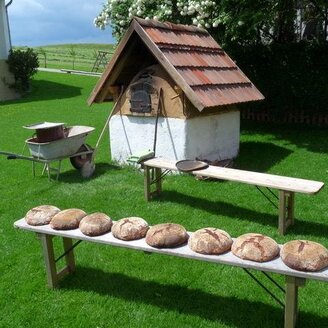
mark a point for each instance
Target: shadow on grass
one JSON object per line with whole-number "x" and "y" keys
{"x": 234, "y": 211}
{"x": 74, "y": 176}
{"x": 219, "y": 208}
{"x": 47, "y": 90}
{"x": 313, "y": 139}
{"x": 260, "y": 156}
{"x": 229, "y": 310}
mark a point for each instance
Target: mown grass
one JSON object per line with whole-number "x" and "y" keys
{"x": 71, "y": 56}
{"x": 115, "y": 287}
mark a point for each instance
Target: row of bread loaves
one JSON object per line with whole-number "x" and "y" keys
{"x": 300, "y": 255}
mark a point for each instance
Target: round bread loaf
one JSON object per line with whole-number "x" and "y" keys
{"x": 210, "y": 241}
{"x": 95, "y": 224}
{"x": 166, "y": 235}
{"x": 41, "y": 215}
{"x": 67, "y": 219}
{"x": 130, "y": 228}
{"x": 304, "y": 255}
{"x": 255, "y": 247}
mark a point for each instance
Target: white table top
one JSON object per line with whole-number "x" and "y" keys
{"x": 275, "y": 266}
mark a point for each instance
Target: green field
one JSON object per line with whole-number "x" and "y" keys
{"x": 63, "y": 55}
{"x": 115, "y": 287}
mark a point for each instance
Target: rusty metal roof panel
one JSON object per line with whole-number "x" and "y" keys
{"x": 182, "y": 38}
{"x": 213, "y": 96}
{"x": 199, "y": 76}
{"x": 189, "y": 57}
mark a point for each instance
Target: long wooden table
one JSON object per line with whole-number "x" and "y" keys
{"x": 293, "y": 279}
{"x": 287, "y": 186}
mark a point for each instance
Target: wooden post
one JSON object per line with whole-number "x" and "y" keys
{"x": 49, "y": 259}
{"x": 286, "y": 210}
{"x": 69, "y": 257}
{"x": 158, "y": 173}
{"x": 147, "y": 182}
{"x": 291, "y": 300}
{"x": 53, "y": 276}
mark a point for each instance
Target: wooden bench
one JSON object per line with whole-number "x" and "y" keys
{"x": 287, "y": 186}
{"x": 293, "y": 279}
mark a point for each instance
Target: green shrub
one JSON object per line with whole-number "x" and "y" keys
{"x": 23, "y": 64}
{"x": 292, "y": 77}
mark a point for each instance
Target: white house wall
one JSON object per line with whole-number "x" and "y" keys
{"x": 209, "y": 137}
{"x": 4, "y": 32}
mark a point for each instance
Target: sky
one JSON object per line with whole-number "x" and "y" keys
{"x": 44, "y": 22}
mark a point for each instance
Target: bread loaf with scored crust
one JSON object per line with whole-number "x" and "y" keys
{"x": 41, "y": 215}
{"x": 67, "y": 219}
{"x": 95, "y": 224}
{"x": 130, "y": 228}
{"x": 166, "y": 235}
{"x": 210, "y": 241}
{"x": 255, "y": 247}
{"x": 304, "y": 255}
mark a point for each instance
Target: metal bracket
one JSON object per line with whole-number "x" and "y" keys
{"x": 160, "y": 177}
{"x": 68, "y": 250}
{"x": 267, "y": 197}
{"x": 265, "y": 288}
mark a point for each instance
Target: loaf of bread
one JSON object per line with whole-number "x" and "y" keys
{"x": 95, "y": 224}
{"x": 304, "y": 255}
{"x": 130, "y": 228}
{"x": 255, "y": 247}
{"x": 210, "y": 241}
{"x": 166, "y": 235}
{"x": 67, "y": 219}
{"x": 41, "y": 215}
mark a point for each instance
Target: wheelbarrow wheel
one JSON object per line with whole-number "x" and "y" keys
{"x": 79, "y": 161}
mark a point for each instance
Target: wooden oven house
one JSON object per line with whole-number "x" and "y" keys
{"x": 175, "y": 80}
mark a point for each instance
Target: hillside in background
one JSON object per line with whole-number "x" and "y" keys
{"x": 72, "y": 56}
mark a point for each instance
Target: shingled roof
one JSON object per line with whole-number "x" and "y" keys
{"x": 193, "y": 59}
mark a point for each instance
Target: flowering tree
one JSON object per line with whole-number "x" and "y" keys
{"x": 240, "y": 21}
{"x": 225, "y": 19}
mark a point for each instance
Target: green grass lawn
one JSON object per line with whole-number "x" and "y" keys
{"x": 115, "y": 287}
{"x": 61, "y": 55}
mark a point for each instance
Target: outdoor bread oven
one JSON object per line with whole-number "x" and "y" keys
{"x": 177, "y": 88}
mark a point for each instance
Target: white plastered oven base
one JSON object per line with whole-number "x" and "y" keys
{"x": 213, "y": 137}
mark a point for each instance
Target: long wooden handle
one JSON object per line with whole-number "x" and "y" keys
{"x": 106, "y": 124}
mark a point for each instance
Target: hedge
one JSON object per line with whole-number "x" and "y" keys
{"x": 292, "y": 77}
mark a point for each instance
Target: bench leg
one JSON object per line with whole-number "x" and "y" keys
{"x": 147, "y": 182}
{"x": 53, "y": 276}
{"x": 152, "y": 175}
{"x": 291, "y": 300}
{"x": 286, "y": 210}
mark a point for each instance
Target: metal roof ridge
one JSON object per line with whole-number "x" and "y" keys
{"x": 226, "y": 84}
{"x": 168, "y": 25}
{"x": 214, "y": 68}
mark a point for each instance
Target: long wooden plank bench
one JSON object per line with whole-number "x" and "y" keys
{"x": 293, "y": 279}
{"x": 287, "y": 186}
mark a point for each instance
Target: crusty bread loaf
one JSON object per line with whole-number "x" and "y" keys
{"x": 255, "y": 247}
{"x": 210, "y": 241}
{"x": 41, "y": 215}
{"x": 130, "y": 228}
{"x": 166, "y": 235}
{"x": 304, "y": 255}
{"x": 67, "y": 219}
{"x": 95, "y": 224}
